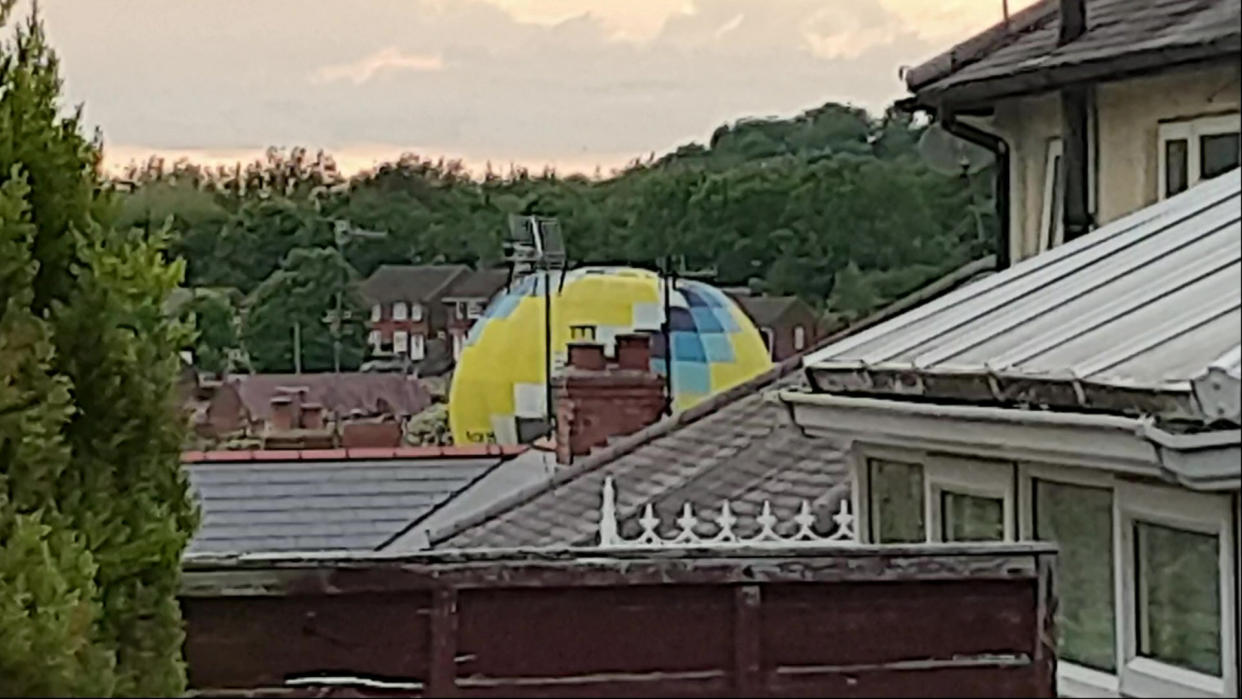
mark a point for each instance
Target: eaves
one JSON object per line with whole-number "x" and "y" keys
{"x": 1133, "y": 446}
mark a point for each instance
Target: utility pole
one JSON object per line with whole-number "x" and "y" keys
{"x": 342, "y": 230}
{"x": 297, "y": 347}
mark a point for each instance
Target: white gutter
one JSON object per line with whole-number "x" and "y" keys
{"x": 1121, "y": 444}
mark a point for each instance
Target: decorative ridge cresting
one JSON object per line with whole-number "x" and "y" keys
{"x": 725, "y": 521}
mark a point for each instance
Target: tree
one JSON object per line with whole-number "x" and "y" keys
{"x": 302, "y": 294}
{"x": 94, "y": 507}
{"x": 215, "y": 318}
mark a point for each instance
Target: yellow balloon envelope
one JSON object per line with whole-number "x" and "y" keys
{"x": 499, "y": 385}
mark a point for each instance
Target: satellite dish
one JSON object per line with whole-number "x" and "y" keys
{"x": 950, "y": 155}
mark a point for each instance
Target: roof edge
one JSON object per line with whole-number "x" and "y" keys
{"x": 1040, "y": 78}
{"x": 978, "y": 46}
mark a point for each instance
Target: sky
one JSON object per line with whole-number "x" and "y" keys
{"x": 571, "y": 83}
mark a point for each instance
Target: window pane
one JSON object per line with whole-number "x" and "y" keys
{"x": 1055, "y": 221}
{"x": 971, "y": 518}
{"x": 896, "y": 502}
{"x": 1218, "y": 154}
{"x": 1175, "y": 166}
{"x": 1080, "y": 520}
{"x": 1178, "y": 597}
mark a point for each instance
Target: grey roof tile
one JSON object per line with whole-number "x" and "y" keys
{"x": 1115, "y": 28}
{"x": 296, "y": 505}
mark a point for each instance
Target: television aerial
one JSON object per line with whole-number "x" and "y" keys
{"x": 950, "y": 155}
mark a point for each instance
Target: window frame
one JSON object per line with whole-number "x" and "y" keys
{"x": 416, "y": 312}
{"x": 400, "y": 310}
{"x": 799, "y": 338}
{"x": 377, "y": 312}
{"x": 958, "y": 473}
{"x": 418, "y": 346}
{"x": 375, "y": 339}
{"x": 1204, "y": 513}
{"x": 400, "y": 342}
{"x": 966, "y": 475}
{"x": 1052, "y": 232}
{"x": 1074, "y": 679}
{"x": 1191, "y": 130}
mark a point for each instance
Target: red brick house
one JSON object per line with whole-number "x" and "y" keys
{"x": 788, "y": 324}
{"x": 407, "y": 308}
{"x": 466, "y": 298}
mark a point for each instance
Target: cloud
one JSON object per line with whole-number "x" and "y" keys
{"x": 572, "y": 82}
{"x": 389, "y": 59}
{"x": 729, "y": 26}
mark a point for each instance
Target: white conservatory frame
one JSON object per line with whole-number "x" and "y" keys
{"x": 1000, "y": 453}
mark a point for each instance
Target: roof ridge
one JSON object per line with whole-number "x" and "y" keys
{"x": 691, "y": 415}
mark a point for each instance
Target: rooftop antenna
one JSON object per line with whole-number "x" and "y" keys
{"x": 672, "y": 269}
{"x": 534, "y": 245}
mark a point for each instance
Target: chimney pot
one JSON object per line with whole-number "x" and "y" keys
{"x": 587, "y": 355}
{"x": 634, "y": 351}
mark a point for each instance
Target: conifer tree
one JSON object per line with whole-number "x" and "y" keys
{"x": 94, "y": 507}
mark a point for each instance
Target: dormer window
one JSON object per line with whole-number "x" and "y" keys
{"x": 400, "y": 311}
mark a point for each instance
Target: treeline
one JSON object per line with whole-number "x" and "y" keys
{"x": 832, "y": 205}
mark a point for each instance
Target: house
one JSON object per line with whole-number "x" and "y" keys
{"x": 788, "y": 324}
{"x": 406, "y": 307}
{"x": 286, "y": 410}
{"x": 266, "y": 502}
{"x": 1095, "y": 108}
{"x": 1088, "y": 396}
{"x": 466, "y": 298}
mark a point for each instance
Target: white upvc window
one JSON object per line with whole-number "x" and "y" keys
{"x": 376, "y": 313}
{"x": 1198, "y": 149}
{"x": 1052, "y": 224}
{"x": 1076, "y": 508}
{"x": 416, "y": 312}
{"x": 400, "y": 310}
{"x": 913, "y": 497}
{"x": 400, "y": 342}
{"x": 375, "y": 340}
{"x": 1176, "y": 573}
{"x": 1147, "y": 583}
{"x": 799, "y": 338}
{"x": 418, "y": 348}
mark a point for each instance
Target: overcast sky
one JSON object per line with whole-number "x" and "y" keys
{"x": 570, "y": 82}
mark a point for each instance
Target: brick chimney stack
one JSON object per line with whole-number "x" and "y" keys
{"x": 284, "y": 415}
{"x": 597, "y": 399}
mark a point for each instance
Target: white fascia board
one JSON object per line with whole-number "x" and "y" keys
{"x": 1070, "y": 439}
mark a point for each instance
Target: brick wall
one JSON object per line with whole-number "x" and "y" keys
{"x": 597, "y": 399}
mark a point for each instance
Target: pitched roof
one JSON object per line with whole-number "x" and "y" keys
{"x": 1121, "y": 36}
{"x": 410, "y": 283}
{"x": 733, "y": 446}
{"x": 338, "y": 393}
{"x": 1123, "y": 320}
{"x": 766, "y": 310}
{"x": 477, "y": 284}
{"x": 318, "y": 505}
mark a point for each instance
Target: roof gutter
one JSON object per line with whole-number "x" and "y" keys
{"x": 1134, "y": 446}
